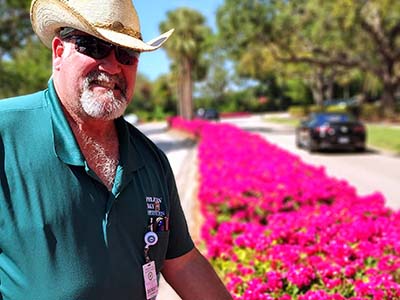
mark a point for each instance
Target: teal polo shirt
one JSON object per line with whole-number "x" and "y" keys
{"x": 63, "y": 235}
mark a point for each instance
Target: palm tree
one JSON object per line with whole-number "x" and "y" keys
{"x": 186, "y": 49}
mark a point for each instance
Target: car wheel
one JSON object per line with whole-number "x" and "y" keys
{"x": 298, "y": 143}
{"x": 311, "y": 145}
{"x": 360, "y": 149}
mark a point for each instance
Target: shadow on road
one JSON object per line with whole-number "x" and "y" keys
{"x": 152, "y": 131}
{"x": 271, "y": 130}
{"x": 341, "y": 152}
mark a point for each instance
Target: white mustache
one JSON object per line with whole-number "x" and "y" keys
{"x": 110, "y": 81}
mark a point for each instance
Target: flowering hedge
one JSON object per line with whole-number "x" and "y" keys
{"x": 278, "y": 228}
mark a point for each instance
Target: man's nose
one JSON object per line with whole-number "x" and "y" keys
{"x": 110, "y": 64}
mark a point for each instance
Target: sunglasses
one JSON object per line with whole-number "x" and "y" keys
{"x": 98, "y": 49}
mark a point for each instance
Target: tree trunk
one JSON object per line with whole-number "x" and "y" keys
{"x": 186, "y": 96}
{"x": 317, "y": 95}
{"x": 329, "y": 82}
{"x": 388, "y": 100}
{"x": 390, "y": 84}
{"x": 328, "y": 92}
{"x": 180, "y": 94}
{"x": 317, "y": 88}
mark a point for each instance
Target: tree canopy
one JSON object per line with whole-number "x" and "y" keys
{"x": 15, "y": 25}
{"x": 331, "y": 38}
{"x": 25, "y": 64}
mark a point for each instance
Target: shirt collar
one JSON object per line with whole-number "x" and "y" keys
{"x": 65, "y": 144}
{"x": 129, "y": 156}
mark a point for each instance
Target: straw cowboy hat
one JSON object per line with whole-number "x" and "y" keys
{"x": 115, "y": 21}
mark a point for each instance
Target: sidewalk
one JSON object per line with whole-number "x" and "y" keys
{"x": 186, "y": 180}
{"x": 182, "y": 155}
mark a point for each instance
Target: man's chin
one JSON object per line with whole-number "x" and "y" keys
{"x": 103, "y": 106}
{"x": 105, "y": 114}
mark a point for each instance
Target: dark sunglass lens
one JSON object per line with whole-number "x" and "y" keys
{"x": 126, "y": 56}
{"x": 93, "y": 47}
{"x": 98, "y": 49}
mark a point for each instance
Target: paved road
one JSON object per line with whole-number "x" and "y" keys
{"x": 369, "y": 172}
{"x": 182, "y": 155}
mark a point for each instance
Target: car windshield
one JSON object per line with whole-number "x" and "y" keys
{"x": 333, "y": 118}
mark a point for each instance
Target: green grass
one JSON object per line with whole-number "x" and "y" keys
{"x": 385, "y": 137}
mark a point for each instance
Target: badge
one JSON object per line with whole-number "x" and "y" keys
{"x": 150, "y": 280}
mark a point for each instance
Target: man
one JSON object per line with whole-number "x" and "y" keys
{"x": 88, "y": 206}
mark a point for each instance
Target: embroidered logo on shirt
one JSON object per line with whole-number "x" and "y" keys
{"x": 154, "y": 207}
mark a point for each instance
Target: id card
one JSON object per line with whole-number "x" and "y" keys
{"x": 150, "y": 280}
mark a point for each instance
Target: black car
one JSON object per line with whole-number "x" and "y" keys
{"x": 331, "y": 131}
{"x": 207, "y": 114}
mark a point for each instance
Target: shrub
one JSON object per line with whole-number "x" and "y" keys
{"x": 336, "y": 109}
{"x": 277, "y": 228}
{"x": 371, "y": 112}
{"x": 297, "y": 111}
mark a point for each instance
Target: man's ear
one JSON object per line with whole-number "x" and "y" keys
{"x": 58, "y": 50}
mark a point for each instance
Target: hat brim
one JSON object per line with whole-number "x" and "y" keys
{"x": 49, "y": 16}
{"x": 131, "y": 42}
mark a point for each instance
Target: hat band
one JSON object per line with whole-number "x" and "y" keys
{"x": 119, "y": 27}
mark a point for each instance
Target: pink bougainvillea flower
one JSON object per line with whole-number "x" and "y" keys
{"x": 278, "y": 228}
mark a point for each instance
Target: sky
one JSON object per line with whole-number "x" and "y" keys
{"x": 151, "y": 14}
